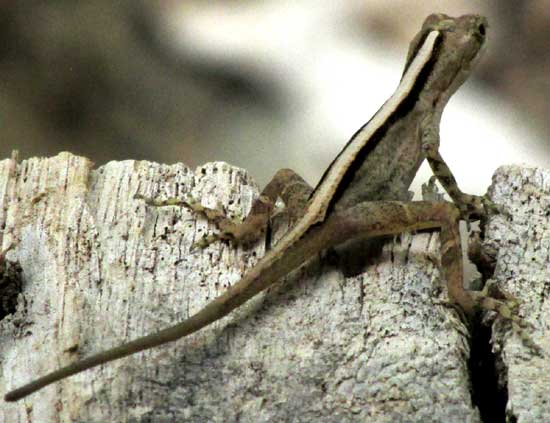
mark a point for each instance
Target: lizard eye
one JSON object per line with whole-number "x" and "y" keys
{"x": 481, "y": 29}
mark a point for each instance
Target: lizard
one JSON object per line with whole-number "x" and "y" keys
{"x": 363, "y": 192}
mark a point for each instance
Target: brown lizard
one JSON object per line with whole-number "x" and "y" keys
{"x": 363, "y": 193}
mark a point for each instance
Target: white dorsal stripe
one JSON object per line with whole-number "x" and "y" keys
{"x": 337, "y": 170}
{"x": 318, "y": 205}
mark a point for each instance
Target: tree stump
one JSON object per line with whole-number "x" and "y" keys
{"x": 100, "y": 267}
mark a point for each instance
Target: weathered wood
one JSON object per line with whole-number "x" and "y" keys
{"x": 522, "y": 243}
{"x": 100, "y": 267}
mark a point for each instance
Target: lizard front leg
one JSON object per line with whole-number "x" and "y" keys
{"x": 470, "y": 206}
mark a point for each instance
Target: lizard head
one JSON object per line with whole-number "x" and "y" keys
{"x": 457, "y": 47}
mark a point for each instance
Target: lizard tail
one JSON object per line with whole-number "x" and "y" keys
{"x": 267, "y": 271}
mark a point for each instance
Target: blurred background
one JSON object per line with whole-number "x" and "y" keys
{"x": 261, "y": 84}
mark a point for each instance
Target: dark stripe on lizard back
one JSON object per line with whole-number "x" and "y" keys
{"x": 405, "y": 107}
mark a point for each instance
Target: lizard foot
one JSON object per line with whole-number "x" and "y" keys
{"x": 504, "y": 306}
{"x": 233, "y": 229}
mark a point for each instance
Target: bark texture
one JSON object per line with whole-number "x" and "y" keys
{"x": 100, "y": 267}
{"x": 522, "y": 243}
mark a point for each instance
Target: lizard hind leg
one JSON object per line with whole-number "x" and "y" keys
{"x": 285, "y": 184}
{"x": 379, "y": 218}
{"x": 491, "y": 298}
{"x": 392, "y": 217}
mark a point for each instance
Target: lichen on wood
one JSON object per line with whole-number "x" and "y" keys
{"x": 99, "y": 267}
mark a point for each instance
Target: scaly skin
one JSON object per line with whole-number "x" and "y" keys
{"x": 361, "y": 193}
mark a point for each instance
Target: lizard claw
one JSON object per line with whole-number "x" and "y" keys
{"x": 505, "y": 307}
{"x": 491, "y": 208}
{"x": 203, "y": 242}
{"x": 479, "y": 207}
{"x": 206, "y": 240}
